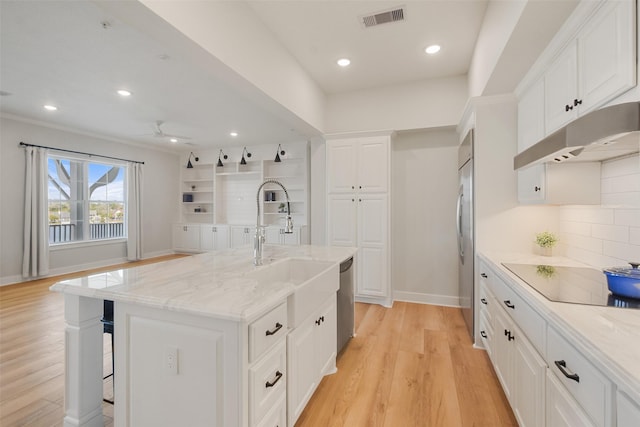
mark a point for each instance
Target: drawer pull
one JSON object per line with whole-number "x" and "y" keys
{"x": 483, "y": 300}
{"x": 275, "y": 330}
{"x": 508, "y": 304}
{"x": 484, "y": 334}
{"x": 562, "y": 365}
{"x": 484, "y": 275}
{"x": 271, "y": 384}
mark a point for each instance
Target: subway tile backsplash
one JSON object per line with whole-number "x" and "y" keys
{"x": 609, "y": 234}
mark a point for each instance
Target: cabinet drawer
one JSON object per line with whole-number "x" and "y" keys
{"x": 562, "y": 410}
{"x": 583, "y": 381}
{"x": 277, "y": 417}
{"x": 486, "y": 332}
{"x": 530, "y": 322}
{"x": 266, "y": 331}
{"x": 267, "y": 383}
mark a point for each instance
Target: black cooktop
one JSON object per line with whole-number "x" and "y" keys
{"x": 574, "y": 285}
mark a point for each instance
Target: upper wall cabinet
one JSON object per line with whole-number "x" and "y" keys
{"x": 360, "y": 165}
{"x": 595, "y": 67}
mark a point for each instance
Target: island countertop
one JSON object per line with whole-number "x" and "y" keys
{"x": 213, "y": 284}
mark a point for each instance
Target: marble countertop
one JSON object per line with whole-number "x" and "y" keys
{"x": 214, "y": 284}
{"x": 608, "y": 336}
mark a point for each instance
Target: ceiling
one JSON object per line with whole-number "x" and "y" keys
{"x": 76, "y": 54}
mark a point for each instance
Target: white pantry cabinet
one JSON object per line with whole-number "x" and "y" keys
{"x": 358, "y": 184}
{"x": 311, "y": 354}
{"x": 596, "y": 66}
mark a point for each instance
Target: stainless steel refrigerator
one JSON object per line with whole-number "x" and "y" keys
{"x": 465, "y": 229}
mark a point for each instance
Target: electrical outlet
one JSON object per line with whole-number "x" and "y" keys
{"x": 171, "y": 360}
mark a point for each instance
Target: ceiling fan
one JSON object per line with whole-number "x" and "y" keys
{"x": 159, "y": 133}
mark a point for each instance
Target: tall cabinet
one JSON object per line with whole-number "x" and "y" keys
{"x": 358, "y": 209}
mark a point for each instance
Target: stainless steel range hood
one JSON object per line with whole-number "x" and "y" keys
{"x": 600, "y": 135}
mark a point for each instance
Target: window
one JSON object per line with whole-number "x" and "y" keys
{"x": 86, "y": 200}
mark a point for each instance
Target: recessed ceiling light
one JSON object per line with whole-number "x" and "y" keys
{"x": 124, "y": 92}
{"x": 173, "y": 140}
{"x": 233, "y": 134}
{"x": 343, "y": 62}
{"x": 50, "y": 107}
{"x": 434, "y": 48}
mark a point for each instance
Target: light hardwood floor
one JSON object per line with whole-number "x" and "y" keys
{"x": 411, "y": 365}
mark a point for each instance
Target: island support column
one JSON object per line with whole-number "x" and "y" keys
{"x": 83, "y": 361}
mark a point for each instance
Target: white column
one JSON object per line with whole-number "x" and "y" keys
{"x": 83, "y": 361}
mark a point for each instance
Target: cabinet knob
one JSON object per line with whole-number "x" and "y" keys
{"x": 352, "y": 187}
{"x": 484, "y": 334}
{"x": 562, "y": 365}
{"x": 214, "y": 229}
{"x": 483, "y": 275}
{"x": 568, "y": 107}
{"x": 509, "y": 304}
{"x": 536, "y": 188}
{"x": 359, "y": 200}
{"x": 353, "y": 200}
{"x": 360, "y": 187}
{"x": 577, "y": 102}
{"x": 483, "y": 300}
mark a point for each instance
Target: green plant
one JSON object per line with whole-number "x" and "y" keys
{"x": 546, "y": 239}
{"x": 545, "y": 271}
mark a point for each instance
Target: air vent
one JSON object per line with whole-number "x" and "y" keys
{"x": 383, "y": 17}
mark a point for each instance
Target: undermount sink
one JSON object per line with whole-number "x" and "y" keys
{"x": 314, "y": 282}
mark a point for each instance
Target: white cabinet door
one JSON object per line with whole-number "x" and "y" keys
{"x": 186, "y": 237}
{"x": 277, "y": 236}
{"x": 372, "y": 240}
{"x": 214, "y": 237}
{"x": 241, "y": 235}
{"x": 311, "y": 353}
{"x": 373, "y": 164}
{"x": 531, "y": 116}
{"x": 532, "y": 184}
{"x": 606, "y": 65}
{"x": 628, "y": 412}
{"x": 529, "y": 382}
{"x": 561, "y": 88}
{"x": 562, "y": 410}
{"x": 341, "y": 162}
{"x": 503, "y": 353}
{"x": 342, "y": 220}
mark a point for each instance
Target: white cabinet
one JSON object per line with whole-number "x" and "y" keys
{"x": 562, "y": 409}
{"x": 311, "y": 354}
{"x": 276, "y": 236}
{"x": 599, "y": 64}
{"x": 214, "y": 237}
{"x": 628, "y": 412}
{"x": 569, "y": 183}
{"x": 186, "y": 237}
{"x": 241, "y": 235}
{"x": 359, "y": 164}
{"x": 358, "y": 209}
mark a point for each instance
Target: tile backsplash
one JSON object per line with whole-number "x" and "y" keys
{"x": 608, "y": 234}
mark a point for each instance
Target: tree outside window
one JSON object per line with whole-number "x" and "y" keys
{"x": 86, "y": 200}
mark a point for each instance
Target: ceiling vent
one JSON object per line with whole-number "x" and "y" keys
{"x": 392, "y": 15}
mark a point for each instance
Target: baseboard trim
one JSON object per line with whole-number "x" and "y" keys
{"x": 420, "y": 298}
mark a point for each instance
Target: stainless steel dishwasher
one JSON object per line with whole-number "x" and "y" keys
{"x": 345, "y": 304}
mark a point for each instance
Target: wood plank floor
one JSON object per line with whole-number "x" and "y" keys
{"x": 411, "y": 365}
{"x": 32, "y": 352}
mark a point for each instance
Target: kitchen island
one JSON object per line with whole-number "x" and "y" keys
{"x": 559, "y": 363}
{"x": 200, "y": 340}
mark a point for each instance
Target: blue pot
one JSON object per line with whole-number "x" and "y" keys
{"x": 624, "y": 281}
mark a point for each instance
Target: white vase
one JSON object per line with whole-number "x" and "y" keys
{"x": 546, "y": 251}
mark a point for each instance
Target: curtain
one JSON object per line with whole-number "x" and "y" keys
{"x": 35, "y": 257}
{"x": 134, "y": 208}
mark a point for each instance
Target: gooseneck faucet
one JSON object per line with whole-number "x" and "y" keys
{"x": 258, "y": 240}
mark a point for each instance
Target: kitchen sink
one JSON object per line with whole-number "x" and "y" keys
{"x": 314, "y": 282}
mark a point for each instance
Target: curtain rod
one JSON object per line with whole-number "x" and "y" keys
{"x": 80, "y": 152}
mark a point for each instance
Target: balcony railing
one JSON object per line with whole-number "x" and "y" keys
{"x": 61, "y": 233}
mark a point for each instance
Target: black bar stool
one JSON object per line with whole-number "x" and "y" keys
{"x": 107, "y": 323}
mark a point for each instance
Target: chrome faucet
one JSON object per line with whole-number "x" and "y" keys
{"x": 258, "y": 240}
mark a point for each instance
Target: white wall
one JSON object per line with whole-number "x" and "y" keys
{"x": 609, "y": 234}
{"x": 160, "y": 191}
{"x": 419, "y": 105}
{"x": 424, "y": 187}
